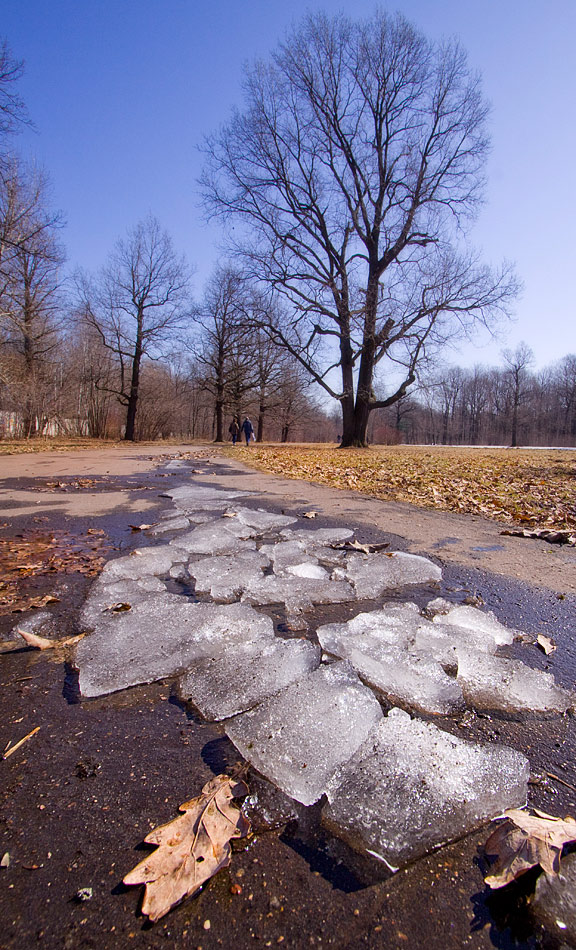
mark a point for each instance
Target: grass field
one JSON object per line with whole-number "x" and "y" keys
{"x": 521, "y": 487}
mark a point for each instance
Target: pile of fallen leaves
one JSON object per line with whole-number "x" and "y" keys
{"x": 43, "y": 554}
{"x": 521, "y": 487}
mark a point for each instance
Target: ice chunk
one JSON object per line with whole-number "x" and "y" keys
{"x": 262, "y": 520}
{"x": 202, "y": 496}
{"x": 483, "y": 625}
{"x": 225, "y": 577}
{"x": 177, "y": 523}
{"x": 213, "y": 538}
{"x": 308, "y": 569}
{"x": 412, "y": 787}
{"x": 381, "y": 657}
{"x": 298, "y": 593}
{"x": 554, "y": 904}
{"x": 104, "y": 595}
{"x": 299, "y": 737}
{"x": 372, "y": 574}
{"x": 285, "y": 554}
{"x": 317, "y": 536}
{"x": 144, "y": 561}
{"x": 228, "y": 684}
{"x": 161, "y": 637}
{"x": 493, "y": 682}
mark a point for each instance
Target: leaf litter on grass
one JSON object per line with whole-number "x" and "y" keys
{"x": 534, "y": 489}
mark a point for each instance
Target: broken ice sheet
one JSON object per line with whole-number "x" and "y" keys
{"x": 106, "y": 591}
{"x": 298, "y": 738}
{"x": 262, "y": 520}
{"x": 213, "y": 538}
{"x": 224, "y": 577}
{"x": 380, "y": 652}
{"x": 412, "y": 787}
{"x": 482, "y": 625}
{"x": 297, "y": 593}
{"x": 161, "y": 637}
{"x": 155, "y": 560}
{"x": 509, "y": 686}
{"x": 372, "y": 574}
{"x": 225, "y": 685}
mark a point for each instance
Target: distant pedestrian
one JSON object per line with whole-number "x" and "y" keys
{"x": 247, "y": 429}
{"x": 234, "y": 430}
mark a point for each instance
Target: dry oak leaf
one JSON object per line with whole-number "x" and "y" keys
{"x": 43, "y": 643}
{"x": 545, "y": 644}
{"x": 524, "y": 841}
{"x": 192, "y": 847}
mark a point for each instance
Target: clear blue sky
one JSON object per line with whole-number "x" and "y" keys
{"x": 122, "y": 92}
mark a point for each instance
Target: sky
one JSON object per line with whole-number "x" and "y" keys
{"x": 122, "y": 93}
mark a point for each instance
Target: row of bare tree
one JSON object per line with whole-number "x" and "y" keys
{"x": 506, "y": 405}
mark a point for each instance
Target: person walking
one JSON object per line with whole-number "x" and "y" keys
{"x": 234, "y": 429}
{"x": 247, "y": 429}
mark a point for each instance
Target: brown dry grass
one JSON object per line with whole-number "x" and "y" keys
{"x": 528, "y": 488}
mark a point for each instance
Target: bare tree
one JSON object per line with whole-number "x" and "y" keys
{"x": 139, "y": 301}
{"x": 30, "y": 288}
{"x": 353, "y": 169}
{"x": 223, "y": 348}
{"x": 12, "y": 109}
{"x": 517, "y": 363}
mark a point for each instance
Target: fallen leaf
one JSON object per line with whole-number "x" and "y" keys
{"x": 142, "y": 527}
{"x": 43, "y": 643}
{"x": 5, "y": 861}
{"x": 546, "y": 644}
{"x": 358, "y": 546}
{"x": 524, "y": 841}
{"x": 192, "y": 847}
{"x": 310, "y": 514}
{"x": 119, "y": 608}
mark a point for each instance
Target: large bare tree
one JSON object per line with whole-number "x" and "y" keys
{"x": 136, "y": 305}
{"x": 350, "y": 175}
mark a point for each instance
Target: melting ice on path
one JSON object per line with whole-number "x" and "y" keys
{"x": 496, "y": 683}
{"x": 373, "y": 574}
{"x": 412, "y": 787}
{"x": 299, "y": 737}
{"x": 159, "y": 637}
{"x": 225, "y": 577}
{"x": 227, "y": 684}
{"x": 381, "y": 657}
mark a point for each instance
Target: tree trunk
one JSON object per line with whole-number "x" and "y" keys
{"x": 130, "y": 434}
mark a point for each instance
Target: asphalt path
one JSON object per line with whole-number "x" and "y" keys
{"x": 79, "y": 796}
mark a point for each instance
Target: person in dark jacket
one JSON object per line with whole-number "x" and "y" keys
{"x": 234, "y": 430}
{"x": 248, "y": 430}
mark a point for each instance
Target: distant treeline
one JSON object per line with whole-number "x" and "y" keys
{"x": 487, "y": 406}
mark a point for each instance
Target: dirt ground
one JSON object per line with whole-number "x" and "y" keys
{"x": 77, "y": 799}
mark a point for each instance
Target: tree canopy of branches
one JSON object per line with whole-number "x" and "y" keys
{"x": 30, "y": 289}
{"x": 354, "y": 167}
{"x": 139, "y": 300}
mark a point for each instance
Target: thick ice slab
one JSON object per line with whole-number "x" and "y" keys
{"x": 297, "y": 593}
{"x": 496, "y": 683}
{"x": 554, "y": 903}
{"x": 317, "y": 535}
{"x": 144, "y": 562}
{"x": 213, "y": 538}
{"x": 372, "y": 574}
{"x": 299, "y": 737}
{"x": 230, "y": 683}
{"x": 106, "y": 593}
{"x": 202, "y": 496}
{"x": 412, "y": 787}
{"x": 482, "y": 625}
{"x": 382, "y": 656}
{"x": 226, "y": 576}
{"x": 160, "y": 637}
{"x": 261, "y": 519}
{"x": 179, "y": 523}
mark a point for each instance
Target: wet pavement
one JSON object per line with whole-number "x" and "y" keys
{"x": 79, "y": 797}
